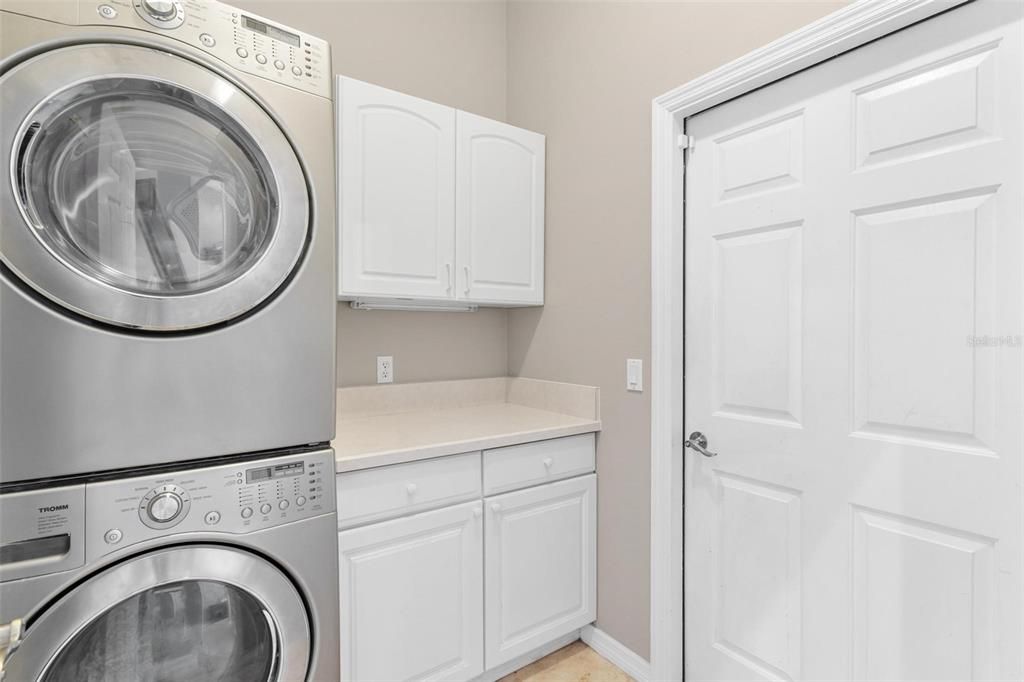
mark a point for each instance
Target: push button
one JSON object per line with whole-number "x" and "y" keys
{"x": 265, "y": 508}
{"x": 107, "y": 12}
{"x": 113, "y": 536}
{"x": 212, "y": 518}
{"x": 207, "y": 40}
{"x": 242, "y": 52}
{"x": 261, "y": 58}
{"x": 279, "y": 65}
{"x": 297, "y": 70}
{"x": 282, "y": 505}
{"x": 246, "y": 512}
{"x": 300, "y": 500}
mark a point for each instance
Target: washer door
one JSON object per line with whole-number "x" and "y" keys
{"x": 145, "y": 191}
{"x": 174, "y": 615}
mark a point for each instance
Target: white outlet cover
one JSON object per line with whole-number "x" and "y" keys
{"x": 385, "y": 369}
{"x": 634, "y": 375}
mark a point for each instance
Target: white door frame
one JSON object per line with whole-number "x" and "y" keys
{"x": 842, "y": 31}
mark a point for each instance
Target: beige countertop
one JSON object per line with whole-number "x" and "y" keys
{"x": 381, "y": 425}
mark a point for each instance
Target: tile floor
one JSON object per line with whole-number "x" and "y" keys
{"x": 574, "y": 663}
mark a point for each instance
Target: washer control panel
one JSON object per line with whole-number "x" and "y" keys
{"x": 234, "y": 498}
{"x": 243, "y": 40}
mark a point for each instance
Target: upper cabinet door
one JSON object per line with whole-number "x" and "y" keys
{"x": 499, "y": 212}
{"x": 396, "y": 190}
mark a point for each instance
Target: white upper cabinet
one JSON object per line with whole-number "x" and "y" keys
{"x": 396, "y": 191}
{"x": 436, "y": 205}
{"x": 499, "y": 213}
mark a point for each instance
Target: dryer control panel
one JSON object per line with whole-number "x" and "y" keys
{"x": 234, "y": 498}
{"x": 243, "y": 40}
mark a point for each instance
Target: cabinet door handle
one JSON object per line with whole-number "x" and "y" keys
{"x": 495, "y": 507}
{"x": 410, "y": 489}
{"x": 548, "y": 462}
{"x": 465, "y": 269}
{"x": 477, "y": 512}
{"x": 448, "y": 271}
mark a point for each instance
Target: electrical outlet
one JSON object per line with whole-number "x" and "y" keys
{"x": 385, "y": 369}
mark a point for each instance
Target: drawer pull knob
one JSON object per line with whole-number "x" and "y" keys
{"x": 495, "y": 507}
{"x": 548, "y": 462}
{"x": 411, "y": 489}
{"x": 477, "y": 512}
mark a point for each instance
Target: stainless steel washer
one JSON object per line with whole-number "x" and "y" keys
{"x": 166, "y": 236}
{"x": 222, "y": 573}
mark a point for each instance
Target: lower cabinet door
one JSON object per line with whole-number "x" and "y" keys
{"x": 411, "y": 597}
{"x": 540, "y": 563}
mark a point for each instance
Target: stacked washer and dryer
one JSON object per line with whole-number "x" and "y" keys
{"x": 166, "y": 345}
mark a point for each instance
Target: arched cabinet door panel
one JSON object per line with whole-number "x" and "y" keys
{"x": 499, "y": 212}
{"x": 396, "y": 190}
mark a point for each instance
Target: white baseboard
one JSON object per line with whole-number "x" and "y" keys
{"x": 616, "y": 652}
{"x": 529, "y": 657}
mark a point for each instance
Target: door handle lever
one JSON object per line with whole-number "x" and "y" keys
{"x": 699, "y": 442}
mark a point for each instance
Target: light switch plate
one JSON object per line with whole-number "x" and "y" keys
{"x": 634, "y": 375}
{"x": 385, "y": 369}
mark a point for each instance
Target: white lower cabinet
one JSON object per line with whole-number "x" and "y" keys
{"x": 451, "y": 593}
{"x": 412, "y": 597}
{"x": 540, "y": 566}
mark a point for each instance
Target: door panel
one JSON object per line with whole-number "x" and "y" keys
{"x": 176, "y": 613}
{"x": 162, "y": 199}
{"x": 854, "y": 347}
{"x": 500, "y": 212}
{"x": 540, "y": 558}
{"x": 397, "y": 189}
{"x": 411, "y": 597}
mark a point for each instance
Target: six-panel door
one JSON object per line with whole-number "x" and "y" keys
{"x": 541, "y": 566}
{"x": 396, "y": 190}
{"x": 854, "y": 315}
{"x": 411, "y": 597}
{"x": 499, "y": 212}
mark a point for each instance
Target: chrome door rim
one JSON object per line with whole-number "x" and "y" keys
{"x": 26, "y": 88}
{"x": 48, "y": 633}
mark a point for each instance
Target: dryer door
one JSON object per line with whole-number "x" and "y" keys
{"x": 174, "y": 615}
{"x": 145, "y": 191}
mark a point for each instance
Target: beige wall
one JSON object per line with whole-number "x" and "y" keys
{"x": 450, "y": 52}
{"x": 584, "y": 73}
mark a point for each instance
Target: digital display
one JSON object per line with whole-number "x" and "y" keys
{"x": 274, "y": 32}
{"x": 254, "y": 475}
{"x": 279, "y": 471}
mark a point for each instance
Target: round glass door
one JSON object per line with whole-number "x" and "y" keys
{"x": 161, "y": 198}
{"x": 195, "y": 630}
{"x": 235, "y": 618}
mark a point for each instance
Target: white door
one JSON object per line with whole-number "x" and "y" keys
{"x": 500, "y": 212}
{"x": 854, "y": 301}
{"x": 540, "y": 566}
{"x": 412, "y": 597}
{"x": 396, "y": 189}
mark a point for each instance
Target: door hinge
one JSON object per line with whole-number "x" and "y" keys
{"x": 685, "y": 141}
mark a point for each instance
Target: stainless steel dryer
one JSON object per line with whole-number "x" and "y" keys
{"x": 223, "y": 573}
{"x": 166, "y": 235}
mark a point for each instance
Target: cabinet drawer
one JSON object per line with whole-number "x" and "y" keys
{"x": 390, "y": 491}
{"x": 520, "y": 466}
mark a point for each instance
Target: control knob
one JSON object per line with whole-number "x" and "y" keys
{"x": 164, "y": 507}
{"x": 163, "y": 10}
{"x": 164, "y": 14}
